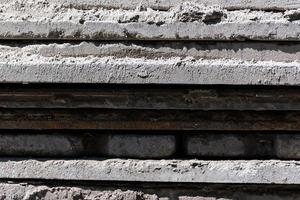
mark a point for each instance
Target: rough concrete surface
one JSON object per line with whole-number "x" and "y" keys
{"x": 166, "y": 4}
{"x": 253, "y": 51}
{"x": 30, "y": 192}
{"x": 181, "y": 171}
{"x": 186, "y": 21}
{"x": 37, "y": 69}
{"x": 39, "y": 191}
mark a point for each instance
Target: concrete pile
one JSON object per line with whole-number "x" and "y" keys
{"x": 148, "y": 100}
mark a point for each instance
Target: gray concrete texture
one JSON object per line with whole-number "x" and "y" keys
{"x": 86, "y": 144}
{"x": 244, "y": 51}
{"x": 165, "y": 171}
{"x": 184, "y": 21}
{"x": 99, "y": 63}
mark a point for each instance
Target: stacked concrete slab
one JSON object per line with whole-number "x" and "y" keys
{"x": 111, "y": 99}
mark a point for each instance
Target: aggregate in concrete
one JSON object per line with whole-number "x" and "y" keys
{"x": 186, "y": 21}
{"x": 180, "y": 171}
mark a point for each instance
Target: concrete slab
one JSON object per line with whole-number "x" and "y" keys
{"x": 179, "y": 171}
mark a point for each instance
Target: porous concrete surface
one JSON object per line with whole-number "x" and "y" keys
{"x": 180, "y": 171}
{"x": 25, "y": 191}
{"x": 86, "y": 144}
{"x": 185, "y": 21}
{"x": 34, "y": 68}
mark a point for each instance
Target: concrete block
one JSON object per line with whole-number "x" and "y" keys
{"x": 41, "y": 145}
{"x": 287, "y": 146}
{"x": 141, "y": 146}
{"x": 228, "y": 145}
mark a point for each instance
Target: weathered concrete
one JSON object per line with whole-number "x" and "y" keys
{"x": 194, "y": 171}
{"x": 39, "y": 144}
{"x": 142, "y": 31}
{"x": 141, "y": 191}
{"x": 35, "y": 69}
{"x": 29, "y": 192}
{"x": 186, "y": 21}
{"x": 166, "y": 5}
{"x": 90, "y": 63}
{"x": 246, "y": 51}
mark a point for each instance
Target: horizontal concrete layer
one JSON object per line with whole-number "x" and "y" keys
{"x": 192, "y": 171}
{"x": 37, "y": 69}
{"x": 142, "y": 31}
{"x": 187, "y": 21}
{"x": 144, "y": 191}
{"x": 151, "y": 97}
{"x": 137, "y": 144}
{"x": 105, "y": 119}
{"x": 246, "y": 51}
{"x": 165, "y": 4}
